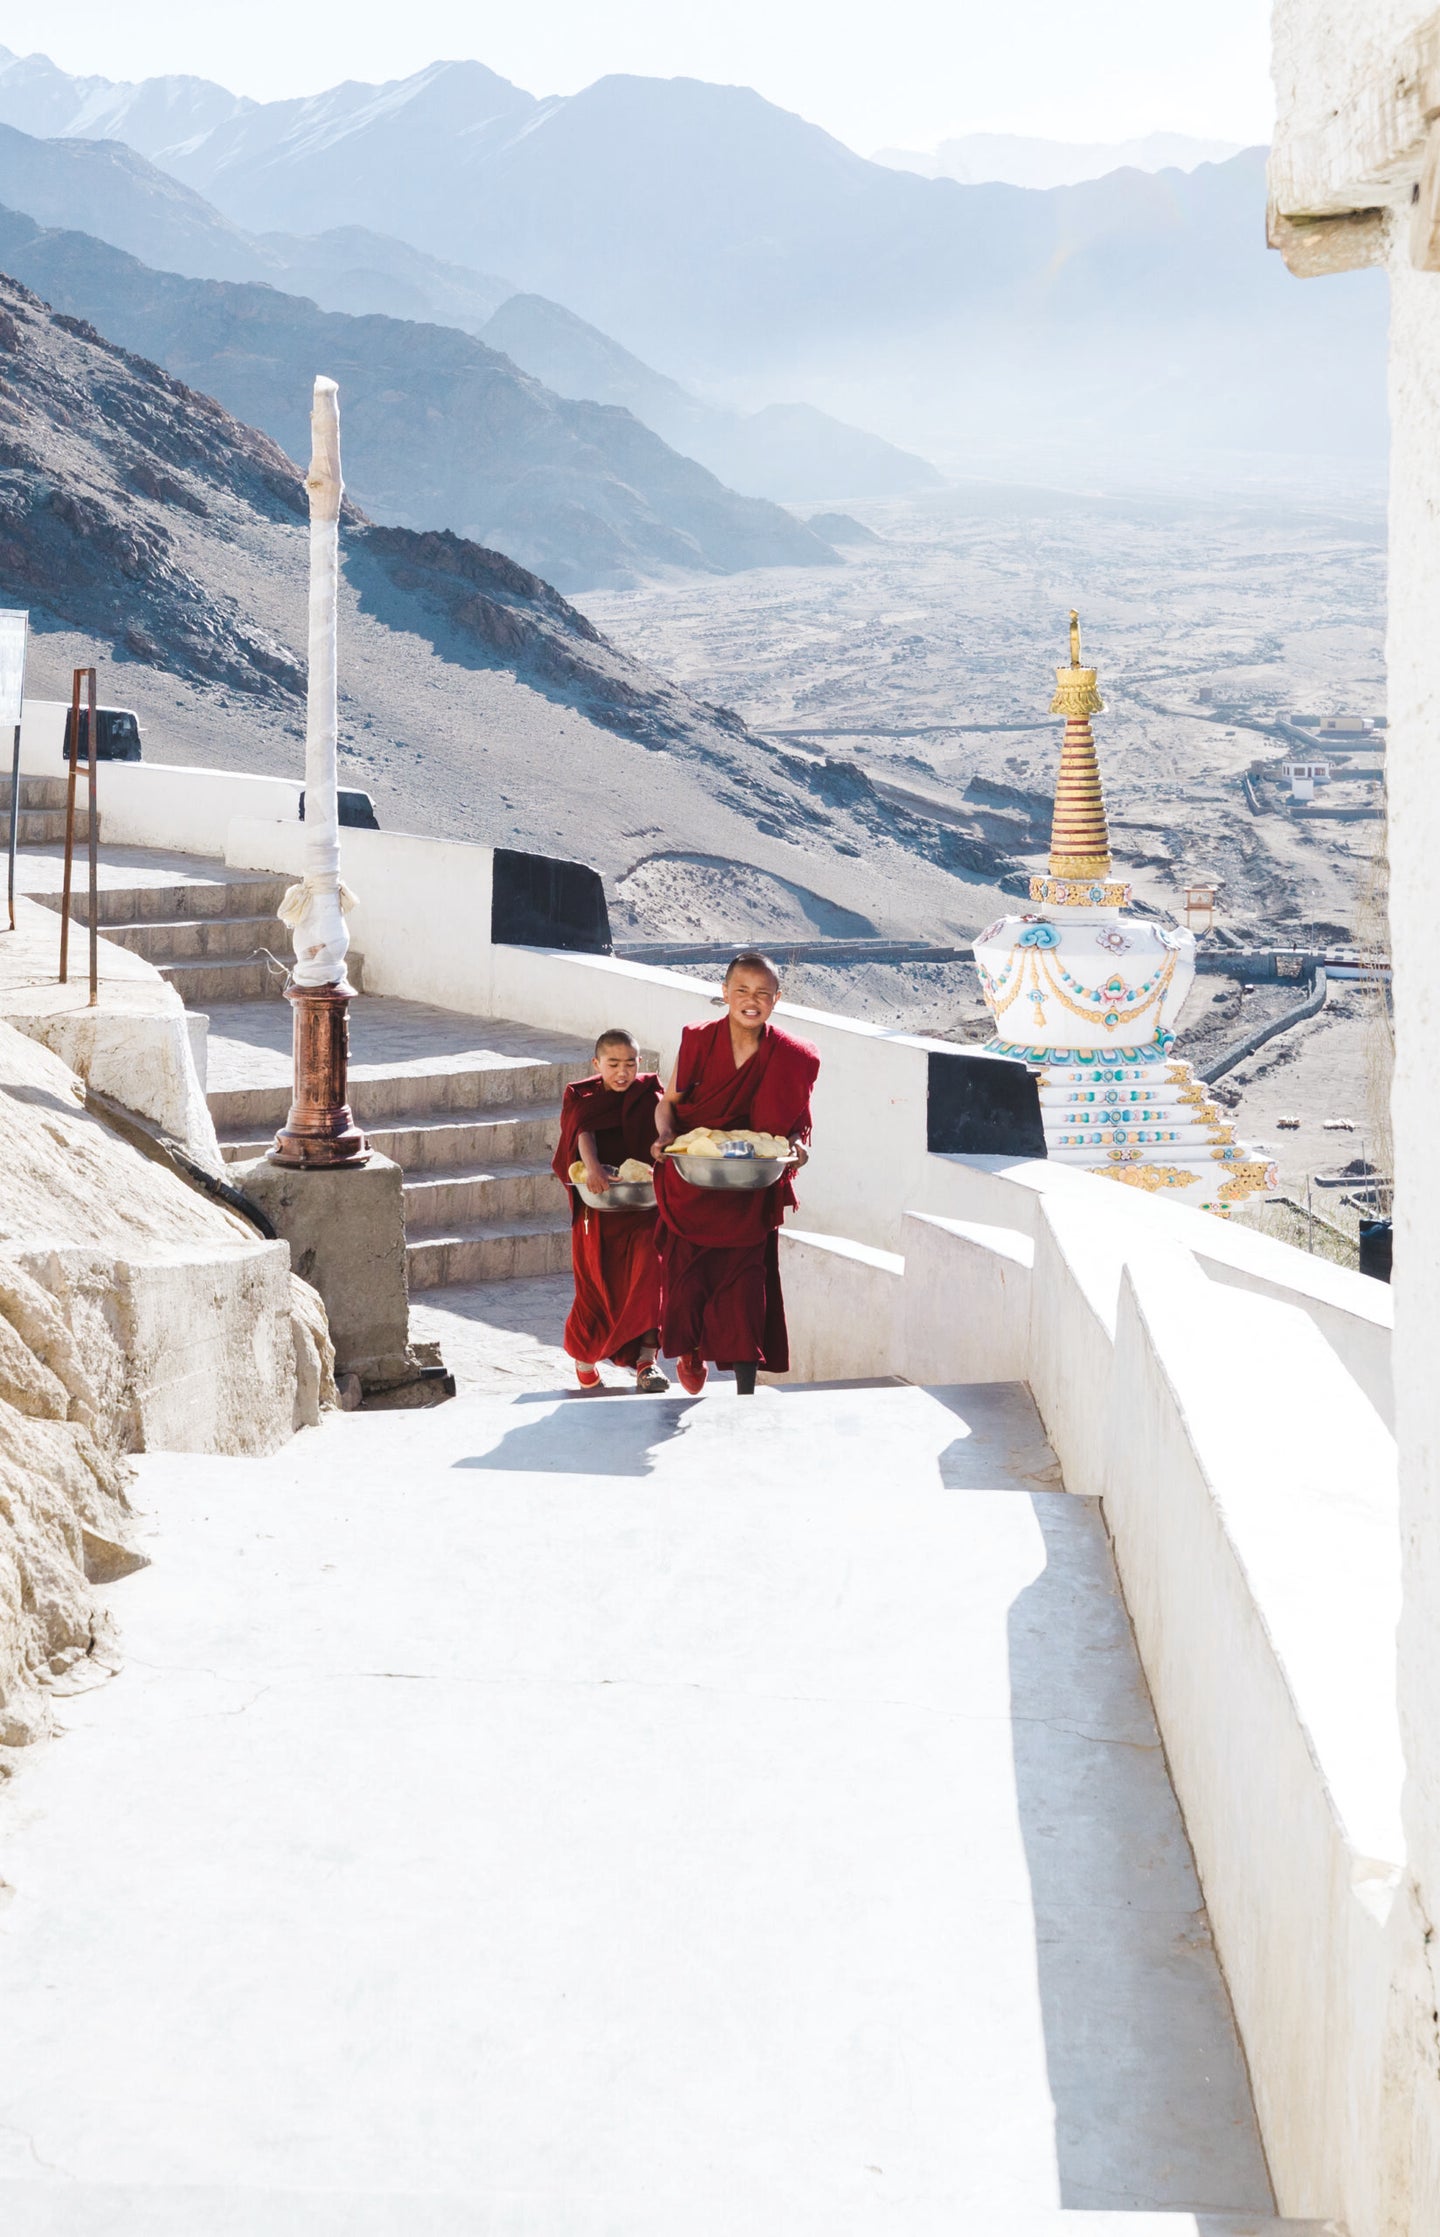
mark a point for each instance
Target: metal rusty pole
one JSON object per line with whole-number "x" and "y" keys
{"x": 86, "y": 675}
{"x": 92, "y": 835}
{"x": 320, "y": 1130}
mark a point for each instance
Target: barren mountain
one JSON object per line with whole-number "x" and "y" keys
{"x": 149, "y": 531}
{"x": 103, "y": 187}
{"x": 1130, "y": 324}
{"x": 443, "y": 431}
{"x": 784, "y": 451}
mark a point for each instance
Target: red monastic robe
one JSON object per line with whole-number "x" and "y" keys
{"x": 718, "y": 1247}
{"x": 617, "y": 1268}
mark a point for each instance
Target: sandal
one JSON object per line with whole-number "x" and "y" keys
{"x": 650, "y": 1376}
{"x": 587, "y": 1377}
{"x": 692, "y": 1370}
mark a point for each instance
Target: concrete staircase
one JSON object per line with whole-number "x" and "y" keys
{"x": 206, "y": 939}
{"x": 475, "y": 1142}
{"x": 42, "y": 811}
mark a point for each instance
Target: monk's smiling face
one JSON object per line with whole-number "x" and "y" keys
{"x": 617, "y": 1063}
{"x": 750, "y": 995}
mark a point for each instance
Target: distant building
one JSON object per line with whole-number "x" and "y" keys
{"x": 1304, "y": 776}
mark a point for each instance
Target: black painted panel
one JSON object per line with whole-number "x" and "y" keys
{"x": 983, "y": 1106}
{"x": 539, "y": 902}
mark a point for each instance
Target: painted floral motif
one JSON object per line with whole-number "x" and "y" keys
{"x": 1149, "y": 1176}
{"x": 1110, "y": 936}
{"x": 1039, "y": 935}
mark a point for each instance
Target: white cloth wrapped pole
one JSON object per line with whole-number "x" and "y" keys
{"x": 315, "y": 909}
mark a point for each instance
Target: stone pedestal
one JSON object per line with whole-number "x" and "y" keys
{"x": 346, "y": 1229}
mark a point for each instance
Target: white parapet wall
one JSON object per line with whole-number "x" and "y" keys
{"x": 841, "y": 1302}
{"x": 422, "y": 922}
{"x": 1226, "y": 1398}
{"x": 152, "y": 803}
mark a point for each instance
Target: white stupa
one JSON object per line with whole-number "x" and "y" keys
{"x": 1088, "y": 997}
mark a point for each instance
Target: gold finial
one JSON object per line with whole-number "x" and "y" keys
{"x": 1075, "y": 692}
{"x": 1079, "y": 838}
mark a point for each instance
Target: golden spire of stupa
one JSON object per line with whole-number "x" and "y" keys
{"x": 1079, "y": 835}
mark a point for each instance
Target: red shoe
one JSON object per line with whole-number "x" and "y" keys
{"x": 587, "y": 1377}
{"x": 692, "y": 1371}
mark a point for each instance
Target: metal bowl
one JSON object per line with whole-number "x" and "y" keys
{"x": 620, "y": 1196}
{"x": 731, "y": 1172}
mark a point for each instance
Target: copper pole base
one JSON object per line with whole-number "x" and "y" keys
{"x": 320, "y": 1130}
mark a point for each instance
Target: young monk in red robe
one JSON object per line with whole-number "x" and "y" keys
{"x": 616, "y": 1313}
{"x": 719, "y": 1248}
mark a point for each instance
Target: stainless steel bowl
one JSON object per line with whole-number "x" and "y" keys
{"x": 731, "y": 1172}
{"x": 620, "y": 1196}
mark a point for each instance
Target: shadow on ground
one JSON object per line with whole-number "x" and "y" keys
{"x": 589, "y": 1439}
{"x": 1140, "y": 2041}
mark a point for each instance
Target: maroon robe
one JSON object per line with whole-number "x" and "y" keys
{"x": 617, "y": 1269}
{"x": 719, "y": 1247}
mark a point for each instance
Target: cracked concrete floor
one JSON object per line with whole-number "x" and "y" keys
{"x": 615, "y": 1819}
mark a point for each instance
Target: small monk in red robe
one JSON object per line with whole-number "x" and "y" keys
{"x": 616, "y": 1314}
{"x": 719, "y": 1248}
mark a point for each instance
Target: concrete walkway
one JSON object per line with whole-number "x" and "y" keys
{"x": 616, "y": 1818}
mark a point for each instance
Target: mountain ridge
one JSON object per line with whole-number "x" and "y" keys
{"x": 444, "y": 432}
{"x": 1129, "y": 323}
{"x": 146, "y": 529}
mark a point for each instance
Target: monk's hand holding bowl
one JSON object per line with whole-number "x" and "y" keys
{"x": 597, "y": 1180}
{"x": 664, "y": 1127}
{"x": 802, "y": 1155}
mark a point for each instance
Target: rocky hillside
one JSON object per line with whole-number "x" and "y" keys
{"x": 443, "y": 431}
{"x": 148, "y": 530}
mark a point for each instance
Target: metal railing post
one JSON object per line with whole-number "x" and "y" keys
{"x": 74, "y": 734}
{"x": 14, "y": 821}
{"x": 92, "y": 742}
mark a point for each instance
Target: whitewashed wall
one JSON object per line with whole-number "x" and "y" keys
{"x": 423, "y": 926}
{"x": 1358, "y": 95}
{"x": 1225, "y": 1397}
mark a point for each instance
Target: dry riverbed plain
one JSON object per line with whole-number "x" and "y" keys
{"x": 927, "y": 659}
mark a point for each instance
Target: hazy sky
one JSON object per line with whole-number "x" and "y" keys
{"x": 875, "y": 72}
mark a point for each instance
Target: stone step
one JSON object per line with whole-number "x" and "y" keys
{"x": 51, "y": 2208}
{"x": 423, "y": 1144}
{"x": 38, "y": 792}
{"x": 43, "y": 827}
{"x": 239, "y": 980}
{"x": 202, "y": 939}
{"x": 489, "y": 1250}
{"x": 523, "y": 1136}
{"x": 466, "y": 1195}
{"x": 406, "y": 1097}
{"x": 166, "y": 904}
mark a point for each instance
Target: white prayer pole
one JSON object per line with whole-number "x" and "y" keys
{"x": 320, "y": 1130}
